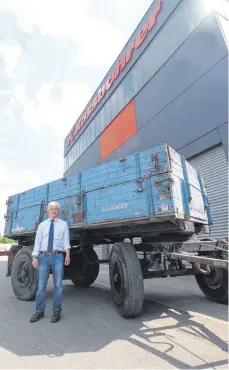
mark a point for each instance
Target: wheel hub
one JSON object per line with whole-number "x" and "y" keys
{"x": 23, "y": 273}
{"x": 117, "y": 280}
{"x": 214, "y": 279}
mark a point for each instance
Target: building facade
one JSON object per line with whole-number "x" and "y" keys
{"x": 168, "y": 85}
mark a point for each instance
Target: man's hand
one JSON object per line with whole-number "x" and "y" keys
{"x": 67, "y": 258}
{"x": 35, "y": 262}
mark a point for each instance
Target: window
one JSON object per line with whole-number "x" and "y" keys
{"x": 137, "y": 76}
{"x": 155, "y": 55}
{"x": 195, "y": 9}
{"x": 102, "y": 119}
{"x": 89, "y": 135}
{"x": 70, "y": 157}
{"x": 167, "y": 41}
{"x": 83, "y": 142}
{"x": 92, "y": 130}
{"x": 97, "y": 125}
{"x": 114, "y": 105}
{"x": 107, "y": 108}
{"x": 77, "y": 149}
{"x": 67, "y": 164}
{"x": 73, "y": 153}
{"x": 80, "y": 145}
{"x": 128, "y": 87}
{"x": 181, "y": 25}
{"x": 120, "y": 97}
{"x": 87, "y": 139}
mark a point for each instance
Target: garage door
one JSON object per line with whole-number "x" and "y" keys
{"x": 213, "y": 167}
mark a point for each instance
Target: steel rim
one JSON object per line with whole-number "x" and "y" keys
{"x": 117, "y": 280}
{"x": 24, "y": 273}
{"x": 215, "y": 279}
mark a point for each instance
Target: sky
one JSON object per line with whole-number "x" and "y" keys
{"x": 53, "y": 56}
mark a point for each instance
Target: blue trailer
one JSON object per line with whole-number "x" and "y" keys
{"x": 155, "y": 195}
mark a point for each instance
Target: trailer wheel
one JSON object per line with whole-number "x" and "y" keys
{"x": 90, "y": 275}
{"x": 23, "y": 275}
{"x": 215, "y": 285}
{"x": 126, "y": 280}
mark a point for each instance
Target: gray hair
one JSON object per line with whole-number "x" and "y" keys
{"x": 54, "y": 204}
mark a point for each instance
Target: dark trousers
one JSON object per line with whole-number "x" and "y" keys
{"x": 56, "y": 262}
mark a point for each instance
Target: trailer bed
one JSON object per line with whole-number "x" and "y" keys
{"x": 155, "y": 186}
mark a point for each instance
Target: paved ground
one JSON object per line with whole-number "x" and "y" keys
{"x": 92, "y": 335}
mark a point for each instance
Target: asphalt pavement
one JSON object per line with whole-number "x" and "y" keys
{"x": 179, "y": 328}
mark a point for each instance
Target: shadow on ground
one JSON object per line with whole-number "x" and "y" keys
{"x": 90, "y": 323}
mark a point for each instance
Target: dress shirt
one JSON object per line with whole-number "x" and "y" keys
{"x": 60, "y": 240}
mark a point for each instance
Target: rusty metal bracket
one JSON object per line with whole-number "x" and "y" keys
{"x": 158, "y": 182}
{"x": 155, "y": 161}
{"x": 79, "y": 200}
{"x": 139, "y": 183}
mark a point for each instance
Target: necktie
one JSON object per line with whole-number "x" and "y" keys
{"x": 51, "y": 236}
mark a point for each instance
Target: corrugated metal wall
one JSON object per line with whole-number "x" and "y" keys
{"x": 213, "y": 167}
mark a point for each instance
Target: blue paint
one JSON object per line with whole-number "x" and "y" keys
{"x": 186, "y": 179}
{"x": 185, "y": 199}
{"x": 114, "y": 192}
{"x": 205, "y": 198}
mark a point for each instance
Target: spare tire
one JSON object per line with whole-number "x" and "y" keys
{"x": 24, "y": 276}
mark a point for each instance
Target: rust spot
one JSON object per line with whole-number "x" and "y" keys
{"x": 78, "y": 217}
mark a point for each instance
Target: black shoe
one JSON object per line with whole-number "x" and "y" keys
{"x": 56, "y": 316}
{"x": 37, "y": 316}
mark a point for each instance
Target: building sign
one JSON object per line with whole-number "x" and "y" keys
{"x": 120, "y": 65}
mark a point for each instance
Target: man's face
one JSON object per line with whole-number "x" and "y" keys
{"x": 53, "y": 212}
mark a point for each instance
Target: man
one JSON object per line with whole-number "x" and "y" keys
{"x": 52, "y": 240}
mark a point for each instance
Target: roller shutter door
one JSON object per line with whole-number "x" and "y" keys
{"x": 213, "y": 167}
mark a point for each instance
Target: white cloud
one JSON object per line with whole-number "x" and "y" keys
{"x": 19, "y": 93}
{"x": 99, "y": 42}
{"x": 94, "y": 36}
{"x": 11, "y": 53}
{"x": 59, "y": 116}
{"x": 58, "y": 162}
{"x": 107, "y": 44}
{"x": 54, "y": 17}
{"x": 4, "y": 176}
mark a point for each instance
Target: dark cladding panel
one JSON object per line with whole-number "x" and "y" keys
{"x": 201, "y": 51}
{"x": 199, "y": 110}
{"x": 90, "y": 158}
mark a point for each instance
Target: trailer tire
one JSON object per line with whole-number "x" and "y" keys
{"x": 126, "y": 280}
{"x": 91, "y": 274}
{"x": 24, "y": 276}
{"x": 11, "y": 255}
{"x": 215, "y": 285}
